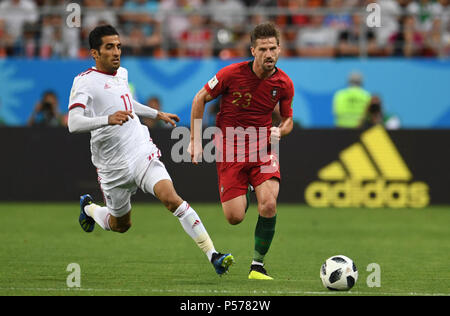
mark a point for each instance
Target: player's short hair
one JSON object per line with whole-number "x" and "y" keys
{"x": 264, "y": 30}
{"x": 95, "y": 36}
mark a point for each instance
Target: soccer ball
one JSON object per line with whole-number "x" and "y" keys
{"x": 339, "y": 273}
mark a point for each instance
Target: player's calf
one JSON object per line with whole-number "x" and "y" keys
{"x": 166, "y": 193}
{"x": 120, "y": 224}
{"x": 120, "y": 229}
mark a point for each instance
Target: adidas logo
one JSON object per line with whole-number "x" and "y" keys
{"x": 369, "y": 173}
{"x": 195, "y": 223}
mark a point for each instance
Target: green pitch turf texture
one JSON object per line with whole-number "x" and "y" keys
{"x": 156, "y": 257}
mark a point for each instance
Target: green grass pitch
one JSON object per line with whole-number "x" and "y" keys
{"x": 156, "y": 257}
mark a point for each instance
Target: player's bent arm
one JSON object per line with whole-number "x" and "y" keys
{"x": 286, "y": 125}
{"x": 78, "y": 123}
{"x": 198, "y": 108}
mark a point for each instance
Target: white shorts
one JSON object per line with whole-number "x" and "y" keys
{"x": 118, "y": 186}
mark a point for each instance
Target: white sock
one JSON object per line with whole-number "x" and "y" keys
{"x": 193, "y": 226}
{"x": 257, "y": 263}
{"x": 99, "y": 214}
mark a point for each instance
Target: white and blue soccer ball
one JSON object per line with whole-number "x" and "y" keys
{"x": 339, "y": 273}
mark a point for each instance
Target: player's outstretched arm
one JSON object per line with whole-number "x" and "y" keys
{"x": 146, "y": 111}
{"x": 169, "y": 118}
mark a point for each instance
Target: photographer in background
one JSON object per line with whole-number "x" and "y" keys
{"x": 350, "y": 103}
{"x": 374, "y": 115}
{"x": 46, "y": 112}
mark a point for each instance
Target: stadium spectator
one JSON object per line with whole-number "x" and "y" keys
{"x": 229, "y": 14}
{"x": 136, "y": 43}
{"x": 339, "y": 19}
{"x": 389, "y": 19}
{"x": 432, "y": 42}
{"x": 154, "y": 28}
{"x": 407, "y": 42}
{"x": 50, "y": 39}
{"x": 348, "y": 42}
{"x": 173, "y": 14}
{"x": 233, "y": 45}
{"x": 375, "y": 115}
{"x": 16, "y": 13}
{"x": 140, "y": 10}
{"x": 70, "y": 40}
{"x": 260, "y": 3}
{"x": 349, "y": 104}
{"x": 141, "y": 28}
{"x": 316, "y": 3}
{"x": 228, "y": 18}
{"x": 441, "y": 11}
{"x": 46, "y": 111}
{"x": 316, "y": 40}
{"x": 27, "y": 46}
{"x": 56, "y": 38}
{"x": 423, "y": 11}
{"x": 196, "y": 41}
{"x": 96, "y": 12}
{"x": 290, "y": 23}
{"x": 6, "y": 41}
{"x": 295, "y": 17}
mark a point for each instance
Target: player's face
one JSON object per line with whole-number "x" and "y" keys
{"x": 108, "y": 56}
{"x": 266, "y": 52}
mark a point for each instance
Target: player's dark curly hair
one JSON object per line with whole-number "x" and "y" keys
{"x": 264, "y": 30}
{"x": 95, "y": 37}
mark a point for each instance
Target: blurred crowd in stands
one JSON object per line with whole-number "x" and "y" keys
{"x": 207, "y": 28}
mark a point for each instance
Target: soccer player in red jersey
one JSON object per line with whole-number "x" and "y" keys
{"x": 249, "y": 92}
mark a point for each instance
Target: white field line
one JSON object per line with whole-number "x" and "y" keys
{"x": 219, "y": 292}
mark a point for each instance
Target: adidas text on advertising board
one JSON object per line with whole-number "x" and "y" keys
{"x": 369, "y": 173}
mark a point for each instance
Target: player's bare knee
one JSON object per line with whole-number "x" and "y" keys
{"x": 267, "y": 208}
{"x": 234, "y": 219}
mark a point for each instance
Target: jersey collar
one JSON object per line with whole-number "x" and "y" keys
{"x": 250, "y": 64}
{"x": 102, "y": 72}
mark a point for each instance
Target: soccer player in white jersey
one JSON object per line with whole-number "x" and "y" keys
{"x": 122, "y": 151}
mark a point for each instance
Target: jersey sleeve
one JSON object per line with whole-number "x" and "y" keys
{"x": 287, "y": 99}
{"x": 80, "y": 94}
{"x": 218, "y": 84}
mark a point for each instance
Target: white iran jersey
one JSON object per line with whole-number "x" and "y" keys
{"x": 113, "y": 147}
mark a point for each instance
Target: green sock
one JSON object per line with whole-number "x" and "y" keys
{"x": 265, "y": 229}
